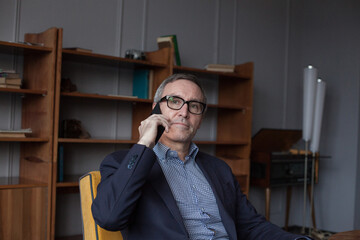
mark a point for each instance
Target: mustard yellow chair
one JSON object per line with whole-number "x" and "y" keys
{"x": 88, "y": 190}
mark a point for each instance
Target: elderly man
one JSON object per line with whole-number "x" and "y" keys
{"x": 170, "y": 190}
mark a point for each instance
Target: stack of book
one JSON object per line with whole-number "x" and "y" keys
{"x": 220, "y": 67}
{"x": 170, "y": 41}
{"x": 20, "y": 133}
{"x": 10, "y": 79}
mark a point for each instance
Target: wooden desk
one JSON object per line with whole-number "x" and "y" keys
{"x": 350, "y": 235}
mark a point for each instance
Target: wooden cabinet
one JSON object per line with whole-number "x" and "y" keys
{"x": 104, "y": 104}
{"x": 25, "y": 199}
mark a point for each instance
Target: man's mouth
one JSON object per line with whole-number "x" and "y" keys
{"x": 181, "y": 123}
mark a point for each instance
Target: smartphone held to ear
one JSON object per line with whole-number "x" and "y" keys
{"x": 160, "y": 128}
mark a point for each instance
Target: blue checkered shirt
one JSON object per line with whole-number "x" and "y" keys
{"x": 192, "y": 192}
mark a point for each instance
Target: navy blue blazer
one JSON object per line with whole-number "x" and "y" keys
{"x": 135, "y": 198}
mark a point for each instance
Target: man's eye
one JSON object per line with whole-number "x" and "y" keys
{"x": 195, "y": 106}
{"x": 175, "y": 101}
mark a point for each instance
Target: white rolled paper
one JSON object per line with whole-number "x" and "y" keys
{"x": 319, "y": 108}
{"x": 310, "y": 76}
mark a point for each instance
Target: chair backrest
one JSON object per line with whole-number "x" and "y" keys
{"x": 88, "y": 190}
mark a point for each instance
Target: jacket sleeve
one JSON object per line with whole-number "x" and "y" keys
{"x": 122, "y": 177}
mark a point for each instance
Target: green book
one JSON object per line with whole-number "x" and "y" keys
{"x": 141, "y": 83}
{"x": 162, "y": 42}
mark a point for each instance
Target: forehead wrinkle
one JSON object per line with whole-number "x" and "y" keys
{"x": 173, "y": 90}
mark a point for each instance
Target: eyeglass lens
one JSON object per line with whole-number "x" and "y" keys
{"x": 177, "y": 103}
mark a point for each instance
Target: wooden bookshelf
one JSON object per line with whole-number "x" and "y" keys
{"x": 44, "y": 106}
{"x": 25, "y": 199}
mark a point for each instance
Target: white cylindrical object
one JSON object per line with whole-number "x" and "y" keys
{"x": 310, "y": 76}
{"x": 318, "y": 113}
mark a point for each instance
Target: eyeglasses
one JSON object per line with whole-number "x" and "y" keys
{"x": 177, "y": 103}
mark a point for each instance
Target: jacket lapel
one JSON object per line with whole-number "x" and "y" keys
{"x": 211, "y": 175}
{"x": 159, "y": 183}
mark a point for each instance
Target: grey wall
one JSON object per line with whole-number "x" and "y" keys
{"x": 281, "y": 37}
{"x": 327, "y": 35}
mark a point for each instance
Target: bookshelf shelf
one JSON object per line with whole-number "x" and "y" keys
{"x": 24, "y": 91}
{"x": 94, "y": 140}
{"x": 105, "y": 97}
{"x": 96, "y": 58}
{"x": 19, "y": 182}
{"x": 67, "y": 184}
{"x": 26, "y": 139}
{"x": 69, "y": 181}
{"x": 9, "y": 47}
{"x": 237, "y": 75}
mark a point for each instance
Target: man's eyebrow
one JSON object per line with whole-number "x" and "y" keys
{"x": 194, "y": 99}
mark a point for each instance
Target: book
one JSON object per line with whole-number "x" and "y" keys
{"x": 10, "y": 81}
{"x": 141, "y": 83}
{"x": 15, "y": 133}
{"x": 79, "y": 49}
{"x": 220, "y": 67}
{"x": 151, "y": 83}
{"x": 7, "y": 70}
{"x": 170, "y": 41}
{"x": 9, "y": 75}
{"x": 60, "y": 163}
{"x": 9, "y": 86}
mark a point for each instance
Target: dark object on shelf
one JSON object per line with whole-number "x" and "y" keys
{"x": 67, "y": 85}
{"x": 135, "y": 54}
{"x": 72, "y": 128}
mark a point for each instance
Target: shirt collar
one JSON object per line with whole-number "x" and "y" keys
{"x": 163, "y": 152}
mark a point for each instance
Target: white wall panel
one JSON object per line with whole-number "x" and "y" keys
{"x": 89, "y": 24}
{"x": 192, "y": 22}
{"x": 7, "y": 20}
{"x": 227, "y": 32}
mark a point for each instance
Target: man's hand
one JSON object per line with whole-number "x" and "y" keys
{"x": 148, "y": 129}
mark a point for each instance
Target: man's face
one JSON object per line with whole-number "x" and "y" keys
{"x": 183, "y": 124}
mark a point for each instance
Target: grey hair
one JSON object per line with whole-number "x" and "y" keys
{"x": 175, "y": 77}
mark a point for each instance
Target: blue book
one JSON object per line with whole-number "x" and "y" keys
{"x": 141, "y": 83}
{"x": 61, "y": 163}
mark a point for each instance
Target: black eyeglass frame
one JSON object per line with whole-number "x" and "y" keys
{"x": 184, "y": 102}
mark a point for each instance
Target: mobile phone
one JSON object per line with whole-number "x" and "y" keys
{"x": 160, "y": 128}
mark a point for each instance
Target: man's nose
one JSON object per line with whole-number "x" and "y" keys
{"x": 184, "y": 110}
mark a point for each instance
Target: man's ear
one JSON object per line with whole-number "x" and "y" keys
{"x": 153, "y": 105}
